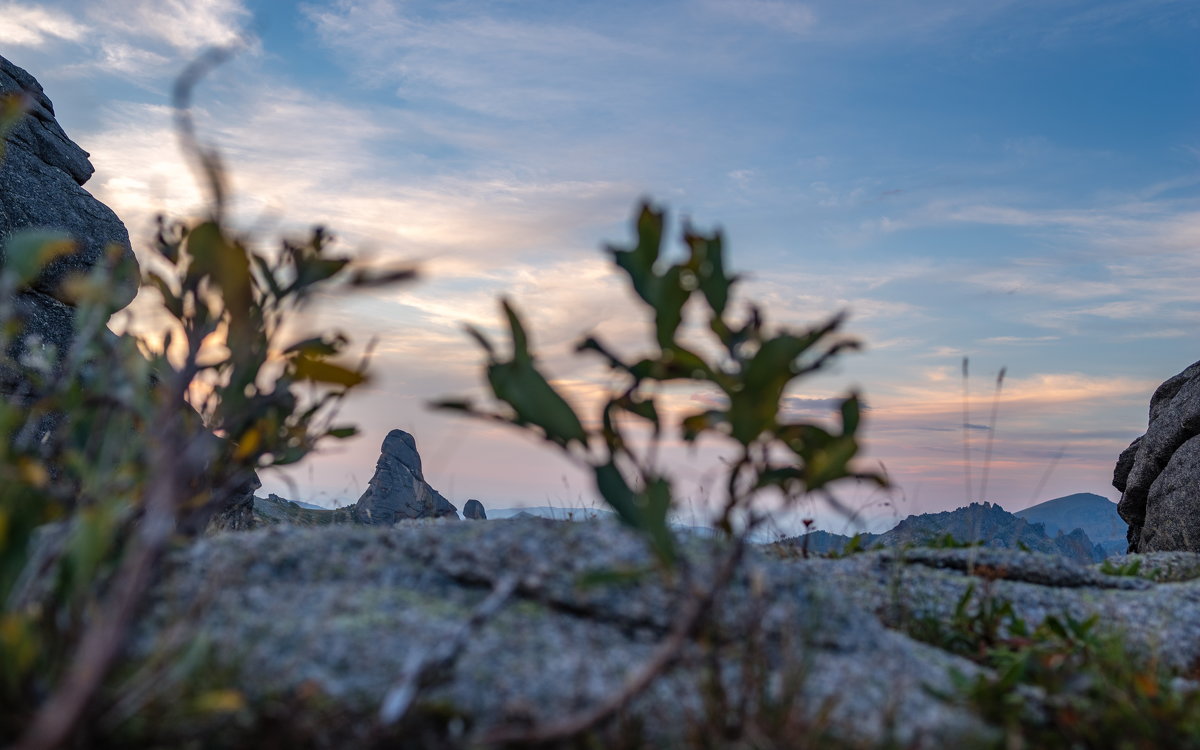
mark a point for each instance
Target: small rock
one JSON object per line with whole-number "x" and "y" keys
{"x": 474, "y": 511}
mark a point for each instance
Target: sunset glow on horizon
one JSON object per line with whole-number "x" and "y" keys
{"x": 1013, "y": 183}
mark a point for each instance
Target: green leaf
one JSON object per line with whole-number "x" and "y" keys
{"x": 639, "y": 261}
{"x": 368, "y": 278}
{"x": 616, "y": 492}
{"x": 850, "y": 414}
{"x": 534, "y": 401}
{"x": 482, "y": 339}
{"x": 708, "y": 263}
{"x": 644, "y": 512}
{"x": 520, "y": 341}
{"x": 519, "y": 384}
{"x": 341, "y": 433}
{"x": 29, "y": 251}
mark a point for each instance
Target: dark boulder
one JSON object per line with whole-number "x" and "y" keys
{"x": 398, "y": 489}
{"x": 1159, "y": 473}
{"x": 474, "y": 511}
{"x": 41, "y": 178}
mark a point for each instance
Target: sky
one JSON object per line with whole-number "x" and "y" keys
{"x": 1017, "y": 183}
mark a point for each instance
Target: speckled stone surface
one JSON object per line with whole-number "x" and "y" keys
{"x": 339, "y": 611}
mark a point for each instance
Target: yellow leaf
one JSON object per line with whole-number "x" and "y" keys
{"x": 33, "y": 473}
{"x": 251, "y": 439}
{"x": 220, "y": 701}
{"x": 321, "y": 371}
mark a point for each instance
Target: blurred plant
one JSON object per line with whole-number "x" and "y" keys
{"x": 750, "y": 365}
{"x": 1064, "y": 683}
{"x": 127, "y": 442}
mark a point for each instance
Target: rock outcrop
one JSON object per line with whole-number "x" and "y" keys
{"x": 330, "y": 620}
{"x": 474, "y": 511}
{"x": 398, "y": 490}
{"x": 1159, "y": 473}
{"x": 41, "y": 179}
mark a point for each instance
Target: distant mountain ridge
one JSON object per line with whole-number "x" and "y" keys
{"x": 1096, "y": 515}
{"x": 1059, "y": 526}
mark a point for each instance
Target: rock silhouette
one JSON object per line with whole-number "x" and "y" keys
{"x": 398, "y": 489}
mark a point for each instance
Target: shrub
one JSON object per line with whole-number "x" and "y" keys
{"x": 124, "y": 442}
{"x": 750, "y": 365}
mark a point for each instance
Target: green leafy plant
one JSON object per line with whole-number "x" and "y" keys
{"x": 1065, "y": 683}
{"x": 127, "y": 442}
{"x": 749, "y": 364}
{"x": 1130, "y": 568}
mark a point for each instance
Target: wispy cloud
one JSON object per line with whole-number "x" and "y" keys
{"x": 23, "y": 25}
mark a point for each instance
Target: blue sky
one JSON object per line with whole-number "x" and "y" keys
{"x": 1016, "y": 182}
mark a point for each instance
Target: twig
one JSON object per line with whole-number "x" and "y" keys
{"x": 57, "y": 718}
{"x": 966, "y": 426}
{"x": 424, "y": 669}
{"x": 666, "y": 654}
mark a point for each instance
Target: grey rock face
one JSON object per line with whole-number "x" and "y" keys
{"x": 337, "y": 613}
{"x": 474, "y": 511}
{"x": 1158, "y": 474}
{"x": 398, "y": 489}
{"x": 40, "y": 187}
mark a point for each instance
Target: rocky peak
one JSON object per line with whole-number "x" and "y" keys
{"x": 398, "y": 489}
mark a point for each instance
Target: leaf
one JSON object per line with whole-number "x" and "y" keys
{"x": 220, "y": 701}
{"x": 644, "y": 512}
{"x": 341, "y": 433}
{"x": 615, "y": 491}
{"x": 639, "y": 261}
{"x": 708, "y": 263}
{"x": 28, "y": 251}
{"x": 323, "y": 371}
{"x": 534, "y": 401}
{"x": 656, "y": 505}
{"x": 228, "y": 265}
{"x": 696, "y": 424}
{"x": 264, "y": 270}
{"x": 311, "y": 271}
{"x": 318, "y": 346}
{"x": 367, "y": 278}
{"x": 851, "y": 411}
{"x": 482, "y": 339}
{"x": 519, "y": 384}
{"x": 520, "y": 341}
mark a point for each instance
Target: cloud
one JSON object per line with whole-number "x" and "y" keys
{"x": 795, "y": 405}
{"x": 185, "y": 25}
{"x": 1020, "y": 339}
{"x": 33, "y": 26}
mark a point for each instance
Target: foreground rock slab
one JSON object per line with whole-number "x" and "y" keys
{"x": 326, "y": 621}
